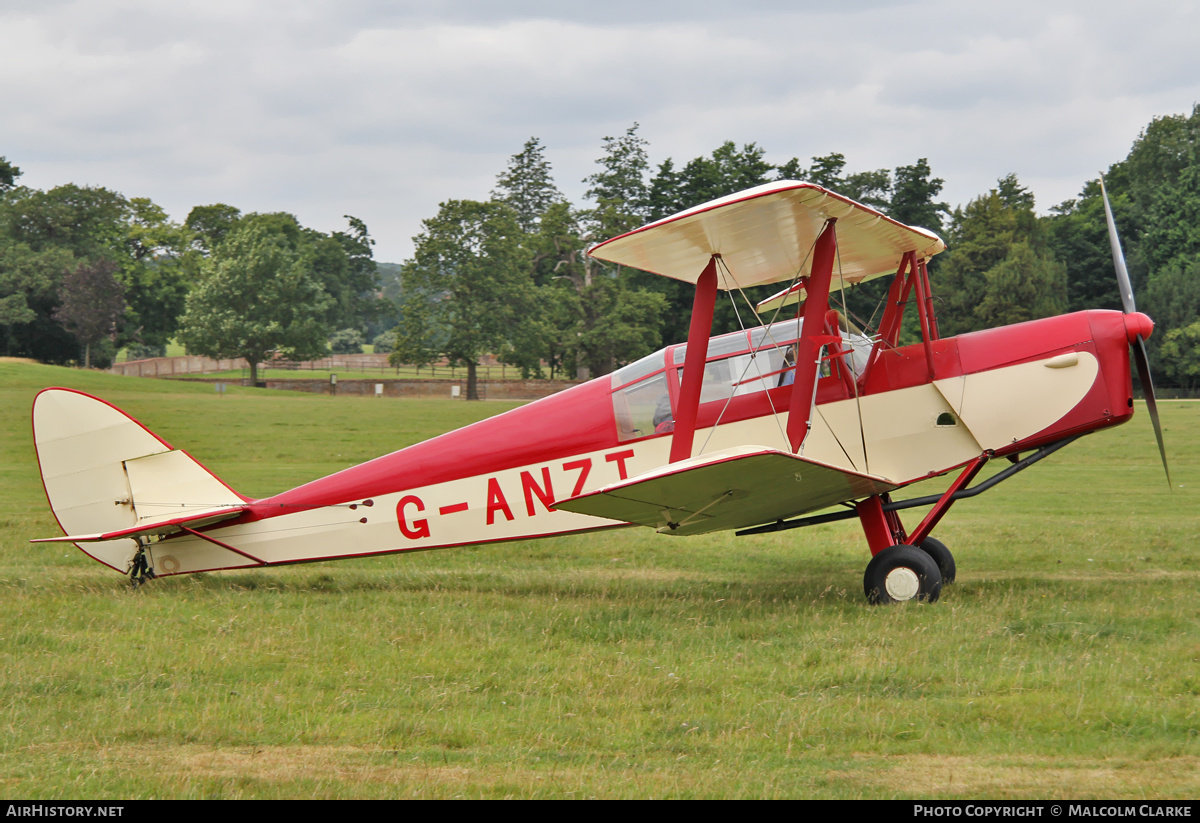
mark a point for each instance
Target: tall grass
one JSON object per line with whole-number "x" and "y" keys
{"x": 622, "y": 664}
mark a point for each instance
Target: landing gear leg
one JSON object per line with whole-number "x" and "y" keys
{"x": 916, "y": 565}
{"x": 140, "y": 570}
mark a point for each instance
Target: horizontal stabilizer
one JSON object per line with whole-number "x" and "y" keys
{"x": 730, "y": 489}
{"x": 159, "y": 527}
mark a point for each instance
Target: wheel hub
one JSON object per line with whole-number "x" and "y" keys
{"x": 902, "y": 584}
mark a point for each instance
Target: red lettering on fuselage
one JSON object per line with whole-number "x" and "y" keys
{"x": 619, "y": 458}
{"x": 545, "y": 492}
{"x": 416, "y": 529}
{"x": 584, "y": 466}
{"x": 496, "y": 502}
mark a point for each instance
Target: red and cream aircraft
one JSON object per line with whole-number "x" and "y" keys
{"x": 746, "y": 431}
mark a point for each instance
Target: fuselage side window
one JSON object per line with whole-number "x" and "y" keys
{"x": 643, "y": 408}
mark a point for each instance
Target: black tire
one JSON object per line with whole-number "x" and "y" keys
{"x": 941, "y": 555}
{"x": 902, "y": 573}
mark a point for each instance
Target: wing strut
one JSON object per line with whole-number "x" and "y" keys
{"x": 807, "y": 362}
{"x": 693, "y": 365}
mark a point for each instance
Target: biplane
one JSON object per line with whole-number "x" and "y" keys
{"x": 753, "y": 431}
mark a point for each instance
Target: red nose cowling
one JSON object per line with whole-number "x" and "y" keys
{"x": 1138, "y": 325}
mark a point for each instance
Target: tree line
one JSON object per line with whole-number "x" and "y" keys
{"x": 85, "y": 271}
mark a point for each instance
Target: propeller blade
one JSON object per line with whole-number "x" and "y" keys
{"x": 1143, "y": 368}
{"x": 1118, "y": 255}
{"x": 1139, "y": 351}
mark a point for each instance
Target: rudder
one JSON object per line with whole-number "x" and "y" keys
{"x": 105, "y": 472}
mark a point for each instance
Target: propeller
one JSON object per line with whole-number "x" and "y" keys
{"x": 1138, "y": 339}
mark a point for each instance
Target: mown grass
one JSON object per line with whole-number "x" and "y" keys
{"x": 623, "y": 664}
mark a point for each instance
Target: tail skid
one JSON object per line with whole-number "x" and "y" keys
{"x": 114, "y": 486}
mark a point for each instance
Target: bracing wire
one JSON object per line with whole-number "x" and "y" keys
{"x": 755, "y": 349}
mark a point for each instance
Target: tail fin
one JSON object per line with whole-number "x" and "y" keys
{"x": 110, "y": 480}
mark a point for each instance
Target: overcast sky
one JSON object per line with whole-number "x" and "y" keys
{"x": 384, "y": 109}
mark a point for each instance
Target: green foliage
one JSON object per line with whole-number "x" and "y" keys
{"x": 998, "y": 265}
{"x": 1078, "y": 236}
{"x": 467, "y": 288}
{"x": 352, "y": 280}
{"x": 1172, "y": 225}
{"x": 93, "y": 225}
{"x": 210, "y": 224}
{"x": 913, "y": 193}
{"x": 346, "y": 341}
{"x": 1155, "y": 195}
{"x": 1179, "y": 355}
{"x": 1025, "y": 286}
{"x": 527, "y": 185}
{"x": 29, "y": 281}
{"x": 384, "y": 342}
{"x": 258, "y": 294}
{"x": 726, "y": 171}
{"x": 591, "y": 319}
{"x": 91, "y": 302}
{"x": 617, "y": 325}
{"x": 1172, "y": 297}
{"x": 8, "y": 175}
{"x": 619, "y": 188}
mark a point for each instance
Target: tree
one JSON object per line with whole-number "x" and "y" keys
{"x": 469, "y": 281}
{"x": 913, "y": 193}
{"x": 91, "y": 302}
{"x": 29, "y": 282}
{"x": 343, "y": 264}
{"x": 982, "y": 237}
{"x": 94, "y": 224}
{"x": 155, "y": 275}
{"x": 210, "y": 224}
{"x": 1078, "y": 236}
{"x": 346, "y": 341}
{"x": 619, "y": 188}
{"x": 1025, "y": 286}
{"x": 8, "y": 175}
{"x": 258, "y": 294}
{"x": 726, "y": 171}
{"x": 591, "y": 318}
{"x": 527, "y": 185}
{"x": 617, "y": 325}
{"x": 1172, "y": 226}
{"x": 1179, "y": 355}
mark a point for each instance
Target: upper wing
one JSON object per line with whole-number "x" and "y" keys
{"x": 764, "y": 235}
{"x": 729, "y": 489}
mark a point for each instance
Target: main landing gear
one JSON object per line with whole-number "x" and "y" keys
{"x": 897, "y": 572}
{"x": 901, "y": 573}
{"x": 907, "y": 566}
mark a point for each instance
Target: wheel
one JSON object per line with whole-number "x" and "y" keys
{"x": 941, "y": 555}
{"x": 901, "y": 573}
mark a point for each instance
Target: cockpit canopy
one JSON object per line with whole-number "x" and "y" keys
{"x": 740, "y": 363}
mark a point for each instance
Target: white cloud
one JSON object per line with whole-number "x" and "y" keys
{"x": 383, "y": 109}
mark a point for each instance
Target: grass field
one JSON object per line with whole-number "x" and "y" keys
{"x": 1065, "y": 663}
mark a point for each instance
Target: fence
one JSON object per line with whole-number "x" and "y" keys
{"x": 488, "y": 368}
